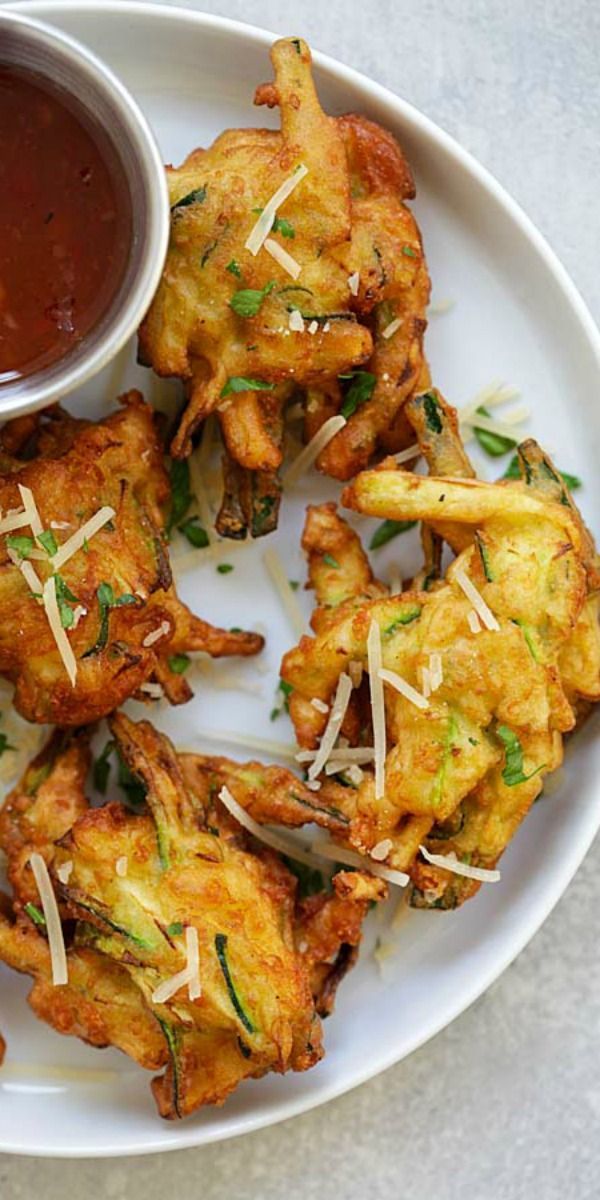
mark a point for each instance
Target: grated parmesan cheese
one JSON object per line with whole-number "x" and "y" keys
{"x": 282, "y": 845}
{"x": 282, "y": 257}
{"x": 30, "y": 576}
{"x": 193, "y": 962}
{"x": 484, "y": 613}
{"x": 169, "y": 987}
{"x": 56, "y": 942}
{"x": 310, "y": 452}
{"x": 64, "y": 871}
{"x": 312, "y": 329}
{"x": 15, "y": 519}
{"x": 286, "y": 594}
{"x": 354, "y": 282}
{"x": 246, "y": 741}
{"x": 411, "y": 452}
{"x": 62, "y": 642}
{"x": 451, "y": 863}
{"x": 320, "y": 705}
{"x": 33, "y": 516}
{"x": 392, "y": 328}
{"x": 340, "y": 754}
{"x": 334, "y": 724}
{"x": 377, "y": 705}
{"x": 354, "y": 773}
{"x": 401, "y": 685}
{"x": 262, "y": 228}
{"x": 87, "y": 531}
{"x": 436, "y": 671}
{"x": 474, "y": 622}
{"x": 337, "y": 853}
{"x": 155, "y": 636}
{"x": 426, "y": 681}
{"x": 381, "y": 850}
{"x": 121, "y": 866}
{"x": 296, "y": 324}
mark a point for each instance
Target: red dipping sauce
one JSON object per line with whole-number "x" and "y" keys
{"x": 65, "y": 224}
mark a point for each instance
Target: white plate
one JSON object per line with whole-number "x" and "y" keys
{"x": 518, "y": 317}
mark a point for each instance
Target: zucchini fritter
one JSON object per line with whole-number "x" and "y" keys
{"x": 221, "y": 317}
{"x": 464, "y": 766}
{"x": 134, "y": 886}
{"x": 117, "y": 605}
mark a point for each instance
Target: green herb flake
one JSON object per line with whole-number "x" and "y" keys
{"x": 388, "y": 530}
{"x": 63, "y": 596}
{"x": 181, "y": 494}
{"x": 282, "y": 695}
{"x": 221, "y": 950}
{"x": 48, "y": 542}
{"x": 433, "y": 418}
{"x": 362, "y": 384}
{"x": 101, "y": 768}
{"x": 195, "y": 533}
{"x": 280, "y": 225}
{"x": 409, "y": 252}
{"x": 5, "y": 744}
{"x": 133, "y": 788}
{"x": 224, "y": 568}
{"x": 20, "y": 544}
{"x": 331, "y": 561}
{"x": 512, "y": 772}
{"x": 197, "y": 196}
{"x": 294, "y": 584}
{"x": 175, "y": 929}
{"x": 247, "y": 301}
{"x": 240, "y": 383}
{"x": 107, "y": 600}
{"x": 35, "y": 914}
{"x": 234, "y": 269}
{"x": 494, "y": 444}
{"x": 179, "y": 663}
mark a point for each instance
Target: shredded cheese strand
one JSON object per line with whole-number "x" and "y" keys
{"x": 335, "y": 853}
{"x": 286, "y": 594}
{"x": 15, "y": 520}
{"x": 168, "y": 988}
{"x": 311, "y": 452}
{"x": 282, "y": 257}
{"x": 33, "y": 516}
{"x": 392, "y": 328}
{"x": 56, "y": 942}
{"x": 282, "y": 845}
{"x": 31, "y": 577}
{"x": 484, "y": 613}
{"x": 374, "y": 660}
{"x": 263, "y": 226}
{"x": 401, "y": 685}
{"x": 334, "y": 724}
{"x": 359, "y": 754}
{"x": 87, "y": 531}
{"x": 62, "y": 642}
{"x": 246, "y": 741}
{"x": 451, "y": 863}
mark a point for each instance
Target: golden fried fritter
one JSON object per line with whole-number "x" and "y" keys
{"x": 114, "y": 595}
{"x": 137, "y": 888}
{"x": 464, "y": 766}
{"x": 221, "y": 317}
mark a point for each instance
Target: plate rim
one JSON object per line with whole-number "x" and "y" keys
{"x": 193, "y": 1135}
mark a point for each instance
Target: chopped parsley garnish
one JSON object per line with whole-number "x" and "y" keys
{"x": 360, "y": 390}
{"x": 388, "y": 530}
{"x": 494, "y": 444}
{"x": 107, "y": 600}
{"x": 239, "y": 383}
{"x": 197, "y": 196}
{"x": 247, "y": 301}
{"x": 181, "y": 495}
{"x": 63, "y": 596}
{"x": 433, "y": 419}
{"x": 21, "y": 544}
{"x": 48, "y": 541}
{"x": 512, "y": 772}
{"x": 5, "y": 744}
{"x": 280, "y": 225}
{"x": 282, "y": 695}
{"x": 224, "y": 568}
{"x": 234, "y": 268}
{"x": 179, "y": 663}
{"x": 409, "y": 252}
{"x": 512, "y": 472}
{"x": 294, "y": 584}
{"x": 195, "y": 534}
{"x": 36, "y": 914}
{"x": 175, "y": 929}
{"x": 331, "y": 561}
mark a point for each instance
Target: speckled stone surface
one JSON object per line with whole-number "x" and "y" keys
{"x": 504, "y": 1104}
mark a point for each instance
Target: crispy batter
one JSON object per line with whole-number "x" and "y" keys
{"x": 526, "y": 551}
{"x": 78, "y": 468}
{"x": 269, "y": 961}
{"x": 346, "y": 217}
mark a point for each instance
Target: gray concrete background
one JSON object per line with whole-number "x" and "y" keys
{"x": 504, "y": 1104}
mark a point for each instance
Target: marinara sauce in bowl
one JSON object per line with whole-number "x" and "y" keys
{"x": 84, "y": 214}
